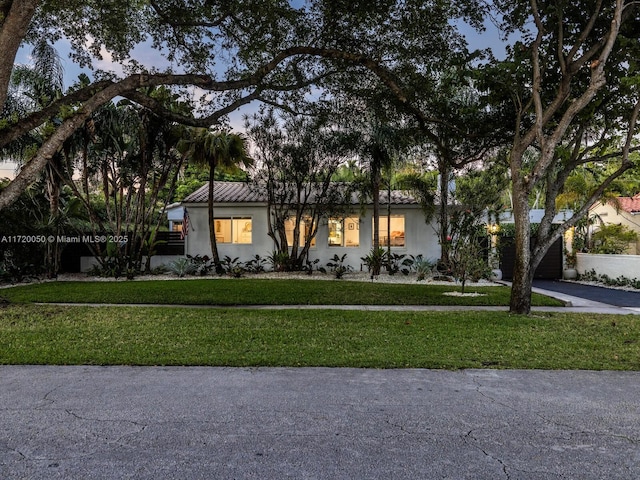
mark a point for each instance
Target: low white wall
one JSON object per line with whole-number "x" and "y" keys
{"x": 611, "y": 265}
{"x": 86, "y": 263}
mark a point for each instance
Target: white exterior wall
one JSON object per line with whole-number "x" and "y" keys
{"x": 613, "y": 266}
{"x": 420, "y": 238}
{"x": 87, "y": 263}
{"x": 608, "y": 214}
{"x": 197, "y": 241}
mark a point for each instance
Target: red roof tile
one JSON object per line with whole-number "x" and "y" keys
{"x": 630, "y": 204}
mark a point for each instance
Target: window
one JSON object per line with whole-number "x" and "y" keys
{"x": 396, "y": 239}
{"x": 233, "y": 230}
{"x": 305, "y": 227}
{"x": 344, "y": 232}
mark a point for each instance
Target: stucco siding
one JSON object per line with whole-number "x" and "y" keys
{"x": 607, "y": 214}
{"x": 420, "y": 237}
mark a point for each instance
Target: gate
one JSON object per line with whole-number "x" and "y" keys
{"x": 550, "y": 267}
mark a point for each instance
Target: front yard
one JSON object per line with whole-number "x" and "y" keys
{"x": 175, "y": 335}
{"x": 36, "y": 334}
{"x": 251, "y": 291}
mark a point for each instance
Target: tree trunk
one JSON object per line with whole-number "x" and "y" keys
{"x": 389, "y": 225}
{"x": 16, "y": 17}
{"x": 523, "y": 269}
{"x": 375, "y": 190}
{"x": 212, "y": 230}
{"x": 445, "y": 244}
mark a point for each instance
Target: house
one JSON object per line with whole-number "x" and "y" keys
{"x": 175, "y": 216}
{"x": 240, "y": 223}
{"x": 621, "y": 211}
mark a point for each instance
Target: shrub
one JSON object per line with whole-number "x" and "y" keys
{"x": 256, "y": 264}
{"x": 308, "y": 266}
{"x": 232, "y": 266}
{"x": 201, "y": 264}
{"x": 181, "y": 267}
{"x": 337, "y": 266}
{"x": 375, "y": 260}
{"x": 424, "y": 268}
{"x": 397, "y": 262}
{"x": 280, "y": 261}
{"x": 612, "y": 239}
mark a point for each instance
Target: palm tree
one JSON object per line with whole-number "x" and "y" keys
{"x": 216, "y": 150}
{"x": 34, "y": 87}
{"x": 381, "y": 144}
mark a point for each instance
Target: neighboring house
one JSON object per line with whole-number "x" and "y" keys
{"x": 175, "y": 216}
{"x": 240, "y": 218}
{"x": 624, "y": 211}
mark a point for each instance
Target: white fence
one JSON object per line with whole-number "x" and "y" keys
{"x": 611, "y": 265}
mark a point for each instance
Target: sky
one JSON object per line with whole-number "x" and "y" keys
{"x": 150, "y": 58}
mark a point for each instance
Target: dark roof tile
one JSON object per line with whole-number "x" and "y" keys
{"x": 241, "y": 192}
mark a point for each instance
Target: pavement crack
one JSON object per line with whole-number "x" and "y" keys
{"x": 478, "y": 389}
{"x": 469, "y": 436}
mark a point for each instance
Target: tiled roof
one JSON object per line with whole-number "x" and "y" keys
{"x": 630, "y": 204}
{"x": 241, "y": 192}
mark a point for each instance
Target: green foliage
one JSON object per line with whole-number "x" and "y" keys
{"x": 181, "y": 267}
{"x": 280, "y": 261}
{"x": 468, "y": 263}
{"x": 201, "y": 264}
{"x": 375, "y": 260}
{"x": 612, "y": 239}
{"x": 21, "y": 222}
{"x": 397, "y": 262}
{"x": 424, "y": 268}
{"x": 337, "y": 267}
{"x": 248, "y": 291}
{"x": 310, "y": 265}
{"x": 56, "y": 335}
{"x": 620, "y": 281}
{"x": 256, "y": 265}
{"x": 232, "y": 266}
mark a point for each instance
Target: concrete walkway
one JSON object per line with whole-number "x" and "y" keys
{"x": 317, "y": 423}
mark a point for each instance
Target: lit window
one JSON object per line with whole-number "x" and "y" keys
{"x": 305, "y": 227}
{"x": 392, "y": 234}
{"x": 344, "y": 232}
{"x": 233, "y": 230}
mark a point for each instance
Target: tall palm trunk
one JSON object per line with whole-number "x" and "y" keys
{"x": 375, "y": 190}
{"x": 212, "y": 230}
{"x": 53, "y": 192}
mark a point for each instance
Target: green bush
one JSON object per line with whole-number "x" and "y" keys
{"x": 612, "y": 239}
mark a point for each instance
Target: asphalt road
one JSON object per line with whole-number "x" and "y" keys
{"x": 619, "y": 298}
{"x": 317, "y": 423}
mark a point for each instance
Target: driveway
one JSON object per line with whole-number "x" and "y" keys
{"x": 619, "y": 298}
{"x": 317, "y": 423}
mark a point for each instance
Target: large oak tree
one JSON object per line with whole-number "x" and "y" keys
{"x": 572, "y": 82}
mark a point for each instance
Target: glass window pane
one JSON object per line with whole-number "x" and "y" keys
{"x": 289, "y": 225}
{"x": 352, "y": 232}
{"x": 335, "y": 232}
{"x": 222, "y": 228}
{"x": 242, "y": 230}
{"x": 394, "y": 234}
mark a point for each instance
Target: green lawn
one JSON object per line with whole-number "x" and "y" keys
{"x": 37, "y": 334}
{"x": 32, "y": 334}
{"x": 258, "y": 292}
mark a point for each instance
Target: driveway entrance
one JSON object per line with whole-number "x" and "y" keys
{"x": 619, "y": 298}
